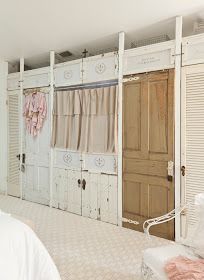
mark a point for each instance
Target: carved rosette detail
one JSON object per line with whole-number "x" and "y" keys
{"x": 68, "y": 74}
{"x": 100, "y": 68}
{"x": 67, "y": 158}
{"x": 99, "y": 161}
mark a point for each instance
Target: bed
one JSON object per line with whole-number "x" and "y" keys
{"x": 22, "y": 255}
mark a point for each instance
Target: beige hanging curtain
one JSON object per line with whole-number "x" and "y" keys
{"x": 86, "y": 120}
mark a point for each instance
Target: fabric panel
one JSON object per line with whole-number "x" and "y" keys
{"x": 86, "y": 120}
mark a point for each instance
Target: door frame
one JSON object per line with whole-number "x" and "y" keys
{"x": 177, "y": 114}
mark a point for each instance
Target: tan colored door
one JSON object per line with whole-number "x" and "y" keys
{"x": 148, "y": 130}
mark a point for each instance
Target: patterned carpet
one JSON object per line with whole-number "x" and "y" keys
{"x": 83, "y": 248}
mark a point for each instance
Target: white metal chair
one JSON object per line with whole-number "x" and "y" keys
{"x": 154, "y": 259}
{"x": 163, "y": 219}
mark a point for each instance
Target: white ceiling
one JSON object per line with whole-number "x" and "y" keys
{"x": 31, "y": 28}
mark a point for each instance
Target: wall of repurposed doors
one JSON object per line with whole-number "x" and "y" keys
{"x": 84, "y": 184}
{"x": 101, "y": 202}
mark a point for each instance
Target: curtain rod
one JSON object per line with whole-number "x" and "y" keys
{"x": 27, "y": 91}
{"x": 91, "y": 85}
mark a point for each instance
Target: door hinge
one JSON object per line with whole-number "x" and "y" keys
{"x": 99, "y": 211}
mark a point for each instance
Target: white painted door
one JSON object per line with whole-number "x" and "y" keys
{"x": 108, "y": 199}
{"x": 36, "y": 185}
{"x": 192, "y": 156}
{"x": 74, "y": 191}
{"x": 13, "y": 144}
{"x": 67, "y": 190}
{"x": 89, "y": 185}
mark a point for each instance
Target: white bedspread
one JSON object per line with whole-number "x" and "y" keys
{"x": 22, "y": 255}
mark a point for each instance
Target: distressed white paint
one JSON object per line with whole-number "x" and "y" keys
{"x": 4, "y": 127}
{"x": 100, "y": 163}
{"x": 193, "y": 50}
{"x": 149, "y": 58}
{"x": 13, "y": 81}
{"x": 60, "y": 189}
{"x": 21, "y": 123}
{"x": 120, "y": 126}
{"x": 177, "y": 110}
{"x": 100, "y": 68}
{"x": 13, "y": 114}
{"x": 51, "y": 102}
{"x": 36, "y": 185}
{"x": 90, "y": 195}
{"x": 69, "y": 73}
{"x": 36, "y": 78}
{"x": 67, "y": 159}
{"x": 108, "y": 199}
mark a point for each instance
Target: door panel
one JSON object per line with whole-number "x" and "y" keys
{"x": 90, "y": 195}
{"x": 36, "y": 185}
{"x": 107, "y": 197}
{"x": 13, "y": 144}
{"x": 147, "y": 148}
{"x": 192, "y": 142}
{"x": 74, "y": 192}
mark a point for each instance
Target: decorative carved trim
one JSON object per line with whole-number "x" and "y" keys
{"x": 68, "y": 74}
{"x": 100, "y": 68}
{"x": 67, "y": 158}
{"x": 99, "y": 161}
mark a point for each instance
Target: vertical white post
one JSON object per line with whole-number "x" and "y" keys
{"x": 120, "y": 125}
{"x": 177, "y": 96}
{"x": 21, "y": 124}
{"x": 52, "y": 62}
{"x": 4, "y": 128}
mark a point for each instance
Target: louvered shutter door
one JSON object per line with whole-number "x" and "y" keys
{"x": 13, "y": 144}
{"x": 194, "y": 134}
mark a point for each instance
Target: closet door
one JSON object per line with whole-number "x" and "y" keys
{"x": 90, "y": 183}
{"x": 192, "y": 156}
{"x": 74, "y": 191}
{"x": 148, "y": 146}
{"x": 36, "y": 185}
{"x": 13, "y": 144}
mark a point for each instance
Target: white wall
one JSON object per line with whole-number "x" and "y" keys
{"x": 3, "y": 126}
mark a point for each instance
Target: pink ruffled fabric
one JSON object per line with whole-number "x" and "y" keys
{"x": 181, "y": 268}
{"x": 35, "y": 110}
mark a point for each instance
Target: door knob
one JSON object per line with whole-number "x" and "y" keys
{"x": 83, "y": 184}
{"x": 18, "y": 156}
{"x": 183, "y": 170}
{"x": 79, "y": 183}
{"x": 170, "y": 170}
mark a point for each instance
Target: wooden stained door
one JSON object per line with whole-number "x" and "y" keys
{"x": 148, "y": 130}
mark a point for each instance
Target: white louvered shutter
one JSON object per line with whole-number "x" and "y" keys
{"x": 13, "y": 144}
{"x": 194, "y": 134}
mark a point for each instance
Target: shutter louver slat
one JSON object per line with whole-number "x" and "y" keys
{"x": 194, "y": 138}
{"x": 13, "y": 138}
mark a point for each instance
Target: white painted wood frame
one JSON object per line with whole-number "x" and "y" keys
{"x": 52, "y": 62}
{"x": 120, "y": 127}
{"x": 21, "y": 124}
{"x": 4, "y": 127}
{"x": 177, "y": 102}
{"x": 193, "y": 50}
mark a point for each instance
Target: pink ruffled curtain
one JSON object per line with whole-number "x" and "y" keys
{"x": 86, "y": 120}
